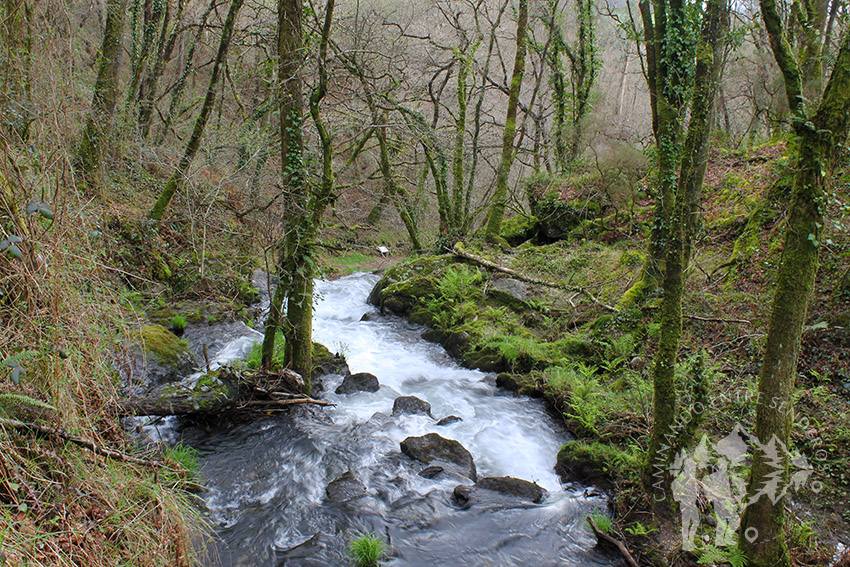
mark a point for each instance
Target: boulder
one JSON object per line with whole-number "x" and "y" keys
{"x": 504, "y": 485}
{"x": 510, "y": 292}
{"x": 511, "y": 486}
{"x": 432, "y": 447}
{"x": 411, "y": 405}
{"x": 345, "y": 488}
{"x": 448, "y": 420}
{"x": 370, "y": 316}
{"x": 162, "y": 359}
{"x": 360, "y": 382}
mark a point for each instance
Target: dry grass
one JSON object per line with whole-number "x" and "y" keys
{"x": 63, "y": 316}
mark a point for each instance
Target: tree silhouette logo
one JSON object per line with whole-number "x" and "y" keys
{"x": 713, "y": 477}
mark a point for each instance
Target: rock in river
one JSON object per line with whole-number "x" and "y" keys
{"x": 345, "y": 488}
{"x": 360, "y": 382}
{"x": 505, "y": 485}
{"x": 412, "y": 405}
{"x": 432, "y": 447}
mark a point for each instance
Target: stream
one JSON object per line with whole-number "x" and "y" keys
{"x": 265, "y": 480}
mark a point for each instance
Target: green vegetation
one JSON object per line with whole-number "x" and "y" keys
{"x": 603, "y": 522}
{"x": 178, "y": 325}
{"x": 163, "y": 344}
{"x": 367, "y": 550}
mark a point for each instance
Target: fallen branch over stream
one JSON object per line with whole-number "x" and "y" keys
{"x": 621, "y": 547}
{"x": 79, "y": 441}
{"x": 461, "y": 252}
{"x": 225, "y": 391}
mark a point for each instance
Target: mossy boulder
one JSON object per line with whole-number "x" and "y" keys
{"x": 168, "y": 348}
{"x": 404, "y": 286}
{"x": 157, "y": 357}
{"x": 595, "y": 462}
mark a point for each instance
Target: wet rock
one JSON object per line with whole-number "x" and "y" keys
{"x": 432, "y": 447}
{"x": 345, "y": 488}
{"x": 511, "y": 486}
{"x": 449, "y": 419}
{"x": 159, "y": 357}
{"x": 507, "y": 381}
{"x": 306, "y": 554}
{"x": 462, "y": 494}
{"x": 360, "y": 382}
{"x": 370, "y": 316}
{"x": 431, "y": 471}
{"x": 411, "y": 405}
{"x": 325, "y": 362}
{"x": 514, "y": 488}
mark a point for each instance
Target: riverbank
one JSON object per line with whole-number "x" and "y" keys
{"x": 545, "y": 319}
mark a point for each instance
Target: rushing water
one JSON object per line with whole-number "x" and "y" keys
{"x": 265, "y": 480}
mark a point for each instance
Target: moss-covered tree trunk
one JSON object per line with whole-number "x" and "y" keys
{"x": 178, "y": 178}
{"x": 819, "y": 141}
{"x": 295, "y": 268}
{"x": 680, "y": 185}
{"x": 15, "y": 63}
{"x": 97, "y": 127}
{"x": 500, "y": 195}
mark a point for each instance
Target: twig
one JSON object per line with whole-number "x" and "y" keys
{"x": 717, "y": 319}
{"x": 615, "y": 542}
{"x": 85, "y": 443}
{"x": 460, "y": 252}
{"x": 290, "y": 402}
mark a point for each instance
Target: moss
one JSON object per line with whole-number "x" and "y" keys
{"x": 163, "y": 344}
{"x": 595, "y": 461}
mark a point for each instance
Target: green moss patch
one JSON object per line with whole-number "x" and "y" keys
{"x": 162, "y": 343}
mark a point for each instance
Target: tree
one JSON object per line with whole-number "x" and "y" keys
{"x": 178, "y": 178}
{"x": 500, "y": 196}
{"x": 96, "y": 130}
{"x": 820, "y": 134}
{"x": 304, "y": 206}
{"x": 15, "y": 63}
{"x": 680, "y": 73}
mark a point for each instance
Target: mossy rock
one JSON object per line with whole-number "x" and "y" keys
{"x": 169, "y": 349}
{"x": 486, "y": 359}
{"x": 595, "y": 462}
{"x": 413, "y": 280}
{"x": 326, "y": 362}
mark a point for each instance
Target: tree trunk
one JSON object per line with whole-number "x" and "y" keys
{"x": 500, "y": 196}
{"x": 680, "y": 204}
{"x": 178, "y": 178}
{"x": 762, "y": 528}
{"x": 293, "y": 255}
{"x": 15, "y": 68}
{"x": 97, "y": 128}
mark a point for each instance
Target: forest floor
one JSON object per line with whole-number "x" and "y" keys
{"x": 566, "y": 340}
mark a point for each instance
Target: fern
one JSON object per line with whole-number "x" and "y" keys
{"x": 712, "y": 555}
{"x": 10, "y": 400}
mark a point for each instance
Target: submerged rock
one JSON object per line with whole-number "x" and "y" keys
{"x": 411, "y": 405}
{"x": 360, "y": 382}
{"x": 504, "y": 485}
{"x": 370, "y": 316}
{"x": 432, "y": 447}
{"x": 449, "y": 419}
{"x": 345, "y": 488}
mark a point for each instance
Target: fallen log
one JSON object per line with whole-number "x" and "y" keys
{"x": 224, "y": 391}
{"x": 461, "y": 252}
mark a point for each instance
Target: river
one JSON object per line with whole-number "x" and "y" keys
{"x": 265, "y": 480}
